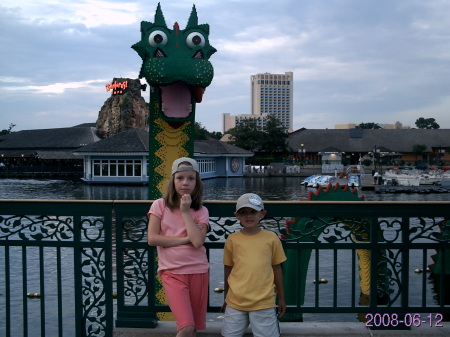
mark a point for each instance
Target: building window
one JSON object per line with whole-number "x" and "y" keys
{"x": 207, "y": 165}
{"x": 117, "y": 168}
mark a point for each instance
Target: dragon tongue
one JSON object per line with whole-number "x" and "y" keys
{"x": 176, "y": 99}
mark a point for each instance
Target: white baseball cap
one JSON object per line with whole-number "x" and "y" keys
{"x": 251, "y": 200}
{"x": 179, "y": 161}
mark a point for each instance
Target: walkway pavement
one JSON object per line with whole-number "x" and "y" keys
{"x": 307, "y": 329}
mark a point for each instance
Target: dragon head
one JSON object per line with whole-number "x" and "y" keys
{"x": 177, "y": 63}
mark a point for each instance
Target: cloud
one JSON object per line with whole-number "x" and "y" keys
{"x": 58, "y": 88}
{"x": 353, "y": 61}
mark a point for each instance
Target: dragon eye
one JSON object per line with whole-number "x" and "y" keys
{"x": 157, "y": 38}
{"x": 195, "y": 40}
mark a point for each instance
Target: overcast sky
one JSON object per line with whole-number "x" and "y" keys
{"x": 354, "y": 61}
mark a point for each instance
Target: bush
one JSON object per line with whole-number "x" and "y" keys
{"x": 264, "y": 161}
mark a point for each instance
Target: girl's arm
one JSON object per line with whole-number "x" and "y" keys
{"x": 196, "y": 232}
{"x": 156, "y": 239}
{"x": 278, "y": 280}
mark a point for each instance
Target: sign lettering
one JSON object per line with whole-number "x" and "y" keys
{"x": 117, "y": 87}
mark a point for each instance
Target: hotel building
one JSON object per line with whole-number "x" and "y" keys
{"x": 271, "y": 94}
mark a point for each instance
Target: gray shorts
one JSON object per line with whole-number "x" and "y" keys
{"x": 264, "y": 323}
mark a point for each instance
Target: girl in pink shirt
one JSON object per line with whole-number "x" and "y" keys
{"x": 177, "y": 226}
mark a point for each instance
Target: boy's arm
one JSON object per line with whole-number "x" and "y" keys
{"x": 227, "y": 273}
{"x": 278, "y": 280}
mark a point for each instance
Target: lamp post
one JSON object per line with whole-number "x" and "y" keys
{"x": 373, "y": 158}
{"x": 301, "y": 152}
{"x": 441, "y": 153}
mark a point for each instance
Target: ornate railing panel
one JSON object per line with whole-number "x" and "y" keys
{"x": 79, "y": 234}
{"x": 84, "y": 253}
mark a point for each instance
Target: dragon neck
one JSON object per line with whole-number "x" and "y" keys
{"x": 167, "y": 142}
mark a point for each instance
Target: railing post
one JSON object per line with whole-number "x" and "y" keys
{"x": 136, "y": 289}
{"x": 405, "y": 264}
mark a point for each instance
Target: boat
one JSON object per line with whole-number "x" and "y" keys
{"x": 313, "y": 181}
{"x": 353, "y": 180}
{"x": 402, "y": 176}
{"x": 324, "y": 181}
{"x": 308, "y": 179}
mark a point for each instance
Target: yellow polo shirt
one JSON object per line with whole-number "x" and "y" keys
{"x": 251, "y": 282}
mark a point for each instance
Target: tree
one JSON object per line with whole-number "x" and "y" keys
{"x": 419, "y": 149}
{"x": 6, "y": 131}
{"x": 246, "y": 135}
{"x": 275, "y": 136}
{"x": 368, "y": 126}
{"x": 427, "y": 123}
{"x": 200, "y": 133}
{"x": 215, "y": 134}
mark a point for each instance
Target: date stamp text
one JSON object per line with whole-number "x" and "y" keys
{"x": 393, "y": 320}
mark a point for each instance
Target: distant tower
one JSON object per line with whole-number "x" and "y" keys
{"x": 273, "y": 94}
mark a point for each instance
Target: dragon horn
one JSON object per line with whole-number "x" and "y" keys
{"x": 193, "y": 19}
{"x": 159, "y": 17}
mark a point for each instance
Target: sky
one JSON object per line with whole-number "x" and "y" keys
{"x": 354, "y": 61}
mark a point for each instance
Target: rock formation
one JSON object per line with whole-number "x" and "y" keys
{"x": 125, "y": 109}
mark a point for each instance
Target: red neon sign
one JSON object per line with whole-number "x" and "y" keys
{"x": 117, "y": 87}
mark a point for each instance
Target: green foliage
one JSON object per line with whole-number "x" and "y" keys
{"x": 275, "y": 136}
{"x": 427, "y": 123}
{"x": 419, "y": 149}
{"x": 125, "y": 103}
{"x": 215, "y": 134}
{"x": 246, "y": 135}
{"x": 368, "y": 126}
{"x": 200, "y": 133}
{"x": 263, "y": 161}
{"x": 6, "y": 131}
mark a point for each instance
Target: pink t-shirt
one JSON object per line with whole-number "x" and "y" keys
{"x": 183, "y": 259}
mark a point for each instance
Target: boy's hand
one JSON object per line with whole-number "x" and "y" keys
{"x": 224, "y": 306}
{"x": 281, "y": 307}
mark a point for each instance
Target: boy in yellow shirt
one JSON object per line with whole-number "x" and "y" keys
{"x": 253, "y": 276}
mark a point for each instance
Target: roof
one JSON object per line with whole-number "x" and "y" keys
{"x": 365, "y": 140}
{"x": 61, "y": 138}
{"x": 136, "y": 141}
{"x": 218, "y": 147}
{"x": 131, "y": 140}
{"x": 62, "y": 143}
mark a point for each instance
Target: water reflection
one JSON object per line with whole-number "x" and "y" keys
{"x": 273, "y": 188}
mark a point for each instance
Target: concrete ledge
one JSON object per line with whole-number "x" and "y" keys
{"x": 313, "y": 329}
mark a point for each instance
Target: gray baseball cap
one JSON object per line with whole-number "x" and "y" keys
{"x": 251, "y": 200}
{"x": 190, "y": 161}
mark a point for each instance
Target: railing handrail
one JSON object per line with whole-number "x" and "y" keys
{"x": 77, "y": 223}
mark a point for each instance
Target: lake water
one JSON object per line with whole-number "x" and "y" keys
{"x": 274, "y": 188}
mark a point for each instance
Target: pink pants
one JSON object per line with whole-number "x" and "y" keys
{"x": 187, "y": 295}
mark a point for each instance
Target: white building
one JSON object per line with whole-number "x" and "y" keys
{"x": 271, "y": 94}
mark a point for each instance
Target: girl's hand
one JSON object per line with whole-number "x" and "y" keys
{"x": 185, "y": 203}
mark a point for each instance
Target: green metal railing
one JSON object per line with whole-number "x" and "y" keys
{"x": 90, "y": 263}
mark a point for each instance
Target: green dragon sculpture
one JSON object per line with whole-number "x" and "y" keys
{"x": 303, "y": 229}
{"x": 175, "y": 65}
{"x": 177, "y": 68}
